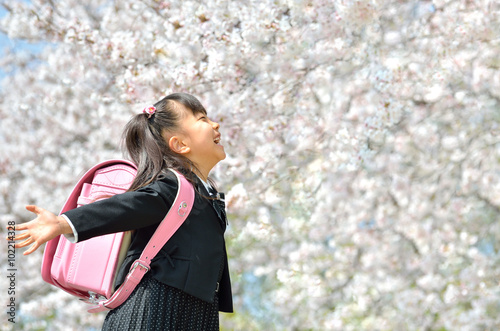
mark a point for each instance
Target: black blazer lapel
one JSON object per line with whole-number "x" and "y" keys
{"x": 218, "y": 205}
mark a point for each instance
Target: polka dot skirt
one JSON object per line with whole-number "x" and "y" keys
{"x": 156, "y": 306}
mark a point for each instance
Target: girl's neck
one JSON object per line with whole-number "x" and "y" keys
{"x": 203, "y": 175}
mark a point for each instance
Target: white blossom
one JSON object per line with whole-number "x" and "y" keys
{"x": 362, "y": 138}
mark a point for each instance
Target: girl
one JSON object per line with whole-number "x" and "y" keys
{"x": 189, "y": 279}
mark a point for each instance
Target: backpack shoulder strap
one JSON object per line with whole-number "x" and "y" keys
{"x": 181, "y": 207}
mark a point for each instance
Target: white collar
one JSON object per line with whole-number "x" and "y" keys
{"x": 207, "y": 186}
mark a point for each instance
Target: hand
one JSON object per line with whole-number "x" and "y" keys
{"x": 44, "y": 227}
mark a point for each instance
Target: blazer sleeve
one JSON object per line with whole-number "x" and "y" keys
{"x": 126, "y": 211}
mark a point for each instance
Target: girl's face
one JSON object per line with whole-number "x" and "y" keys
{"x": 202, "y": 138}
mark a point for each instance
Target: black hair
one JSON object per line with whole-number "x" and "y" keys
{"x": 146, "y": 145}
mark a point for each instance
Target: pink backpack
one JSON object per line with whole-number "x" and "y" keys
{"x": 88, "y": 269}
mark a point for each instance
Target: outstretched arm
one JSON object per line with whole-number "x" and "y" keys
{"x": 43, "y": 228}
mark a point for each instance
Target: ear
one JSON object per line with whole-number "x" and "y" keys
{"x": 178, "y": 146}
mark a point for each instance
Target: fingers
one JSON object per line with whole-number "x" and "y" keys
{"x": 21, "y": 236}
{"x": 34, "y": 209}
{"x": 29, "y": 241}
{"x": 25, "y": 226}
{"x": 25, "y": 243}
{"x": 33, "y": 248}
{"x": 43, "y": 228}
{"x": 19, "y": 227}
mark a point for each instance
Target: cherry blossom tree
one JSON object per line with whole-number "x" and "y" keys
{"x": 362, "y": 178}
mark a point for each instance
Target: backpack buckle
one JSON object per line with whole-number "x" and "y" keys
{"x": 138, "y": 264}
{"x": 94, "y": 298}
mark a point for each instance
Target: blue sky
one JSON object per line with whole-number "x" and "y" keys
{"x": 17, "y": 45}
{"x": 4, "y": 41}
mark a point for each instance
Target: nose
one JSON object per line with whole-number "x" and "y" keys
{"x": 215, "y": 125}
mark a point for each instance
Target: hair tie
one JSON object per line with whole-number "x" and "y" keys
{"x": 150, "y": 110}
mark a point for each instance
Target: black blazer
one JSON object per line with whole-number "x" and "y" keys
{"x": 192, "y": 258}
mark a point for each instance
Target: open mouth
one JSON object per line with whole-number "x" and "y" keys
{"x": 217, "y": 140}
